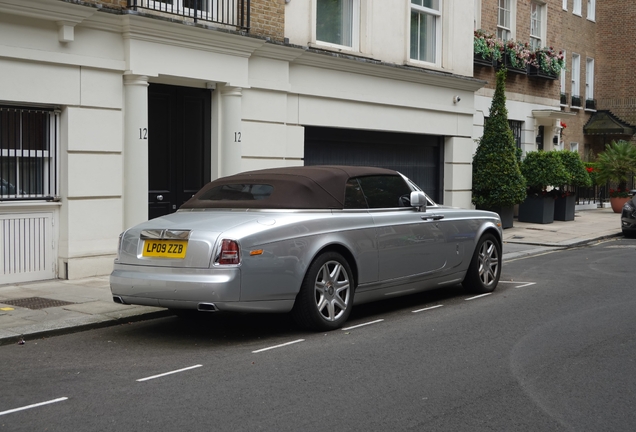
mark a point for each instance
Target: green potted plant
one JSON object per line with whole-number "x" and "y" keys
{"x": 515, "y": 56}
{"x": 543, "y": 171}
{"x": 497, "y": 181}
{"x": 546, "y": 63}
{"x": 616, "y": 164}
{"x": 487, "y": 48}
{"x": 577, "y": 177}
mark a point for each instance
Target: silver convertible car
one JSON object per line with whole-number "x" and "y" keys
{"x": 311, "y": 240}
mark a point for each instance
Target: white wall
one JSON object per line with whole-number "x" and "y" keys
{"x": 384, "y": 31}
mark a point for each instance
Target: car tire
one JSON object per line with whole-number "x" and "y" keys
{"x": 325, "y": 298}
{"x": 485, "y": 267}
{"x": 629, "y": 234}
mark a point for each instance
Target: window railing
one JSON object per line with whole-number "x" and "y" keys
{"x": 576, "y": 101}
{"x": 590, "y": 104}
{"x": 235, "y": 13}
{"x": 29, "y": 154}
{"x": 564, "y": 98}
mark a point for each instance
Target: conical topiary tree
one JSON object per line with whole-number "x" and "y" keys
{"x": 497, "y": 179}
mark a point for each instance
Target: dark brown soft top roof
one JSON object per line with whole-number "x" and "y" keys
{"x": 305, "y": 187}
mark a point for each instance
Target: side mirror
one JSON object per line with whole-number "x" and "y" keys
{"x": 418, "y": 200}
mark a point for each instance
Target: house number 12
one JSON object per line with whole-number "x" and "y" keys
{"x": 237, "y": 137}
{"x": 143, "y": 133}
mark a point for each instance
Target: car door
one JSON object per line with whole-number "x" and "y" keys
{"x": 409, "y": 242}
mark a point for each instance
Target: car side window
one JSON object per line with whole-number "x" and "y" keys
{"x": 385, "y": 191}
{"x": 354, "y": 198}
{"x": 238, "y": 192}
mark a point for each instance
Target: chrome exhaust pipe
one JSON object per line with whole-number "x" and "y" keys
{"x": 118, "y": 299}
{"x": 207, "y": 307}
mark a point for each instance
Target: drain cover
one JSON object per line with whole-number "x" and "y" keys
{"x": 35, "y": 303}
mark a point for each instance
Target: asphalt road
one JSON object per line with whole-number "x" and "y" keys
{"x": 553, "y": 349}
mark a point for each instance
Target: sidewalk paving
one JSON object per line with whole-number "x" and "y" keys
{"x": 68, "y": 306}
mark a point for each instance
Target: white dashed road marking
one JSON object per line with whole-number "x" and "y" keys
{"x": 32, "y": 406}
{"x": 278, "y": 346}
{"x": 479, "y": 296}
{"x": 169, "y": 373}
{"x": 428, "y": 308}
{"x": 362, "y": 325}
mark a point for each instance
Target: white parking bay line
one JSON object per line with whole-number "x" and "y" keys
{"x": 168, "y": 373}
{"x": 525, "y": 285}
{"x": 32, "y": 406}
{"x": 278, "y": 346}
{"x": 479, "y": 296}
{"x": 428, "y": 308}
{"x": 362, "y": 325}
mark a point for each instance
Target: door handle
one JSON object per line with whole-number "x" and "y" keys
{"x": 432, "y": 217}
{"x": 159, "y": 197}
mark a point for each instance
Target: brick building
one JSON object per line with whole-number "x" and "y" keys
{"x": 586, "y": 104}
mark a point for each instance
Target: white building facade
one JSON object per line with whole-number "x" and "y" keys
{"x": 113, "y": 115}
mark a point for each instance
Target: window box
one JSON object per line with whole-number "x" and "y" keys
{"x": 590, "y": 104}
{"x": 481, "y": 61}
{"x": 564, "y": 98}
{"x": 576, "y": 101}
{"x": 507, "y": 63}
{"x": 540, "y": 73}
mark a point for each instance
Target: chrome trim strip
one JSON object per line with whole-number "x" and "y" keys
{"x": 158, "y": 234}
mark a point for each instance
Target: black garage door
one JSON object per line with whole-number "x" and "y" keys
{"x": 419, "y": 157}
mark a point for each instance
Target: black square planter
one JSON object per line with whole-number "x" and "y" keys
{"x": 479, "y": 60}
{"x": 507, "y": 63}
{"x": 506, "y": 214}
{"x": 536, "y": 209}
{"x": 538, "y": 72}
{"x": 564, "y": 208}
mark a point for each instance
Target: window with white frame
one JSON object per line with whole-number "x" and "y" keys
{"x": 564, "y": 97}
{"x": 589, "y": 83}
{"x": 565, "y": 4}
{"x": 591, "y": 10}
{"x": 576, "y": 8}
{"x": 426, "y": 30}
{"x": 477, "y": 17}
{"x": 338, "y": 22}
{"x": 574, "y": 146}
{"x": 28, "y": 153}
{"x": 536, "y": 25}
{"x": 576, "y": 77}
{"x": 504, "y": 19}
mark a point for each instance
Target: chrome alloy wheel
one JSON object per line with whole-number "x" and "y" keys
{"x": 488, "y": 263}
{"x": 332, "y": 290}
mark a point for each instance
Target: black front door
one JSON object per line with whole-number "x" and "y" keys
{"x": 178, "y": 146}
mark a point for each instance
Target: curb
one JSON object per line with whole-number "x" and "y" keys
{"x": 83, "y": 327}
{"x": 544, "y": 247}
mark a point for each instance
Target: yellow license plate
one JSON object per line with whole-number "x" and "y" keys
{"x": 165, "y": 248}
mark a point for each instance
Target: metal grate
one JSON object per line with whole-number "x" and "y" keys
{"x": 28, "y": 153}
{"x": 35, "y": 303}
{"x": 234, "y": 13}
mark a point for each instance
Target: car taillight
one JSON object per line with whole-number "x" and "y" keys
{"x": 229, "y": 253}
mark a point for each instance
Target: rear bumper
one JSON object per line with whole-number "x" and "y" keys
{"x": 179, "y": 288}
{"x": 176, "y": 284}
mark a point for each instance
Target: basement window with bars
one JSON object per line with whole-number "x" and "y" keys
{"x": 29, "y": 153}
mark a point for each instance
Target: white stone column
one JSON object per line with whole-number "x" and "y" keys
{"x": 135, "y": 152}
{"x": 458, "y": 171}
{"x": 231, "y": 131}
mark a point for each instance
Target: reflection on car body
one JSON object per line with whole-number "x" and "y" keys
{"x": 312, "y": 241}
